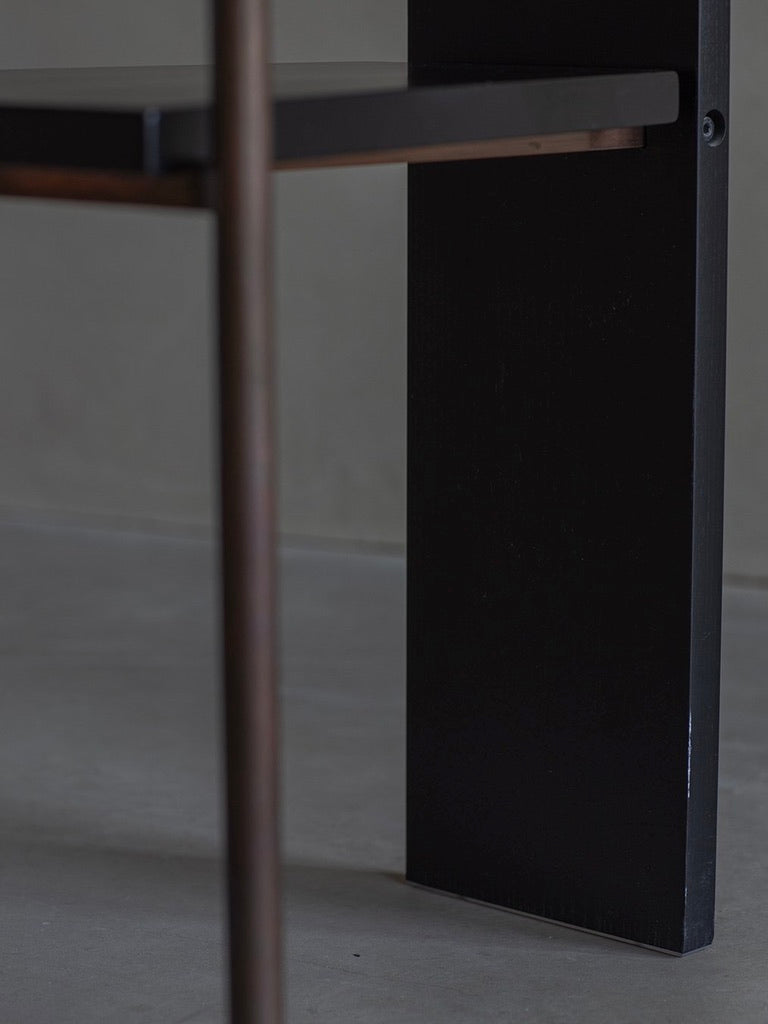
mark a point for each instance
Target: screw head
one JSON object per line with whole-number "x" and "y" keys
{"x": 708, "y": 128}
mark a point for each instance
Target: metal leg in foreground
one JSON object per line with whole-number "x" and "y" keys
{"x": 247, "y": 509}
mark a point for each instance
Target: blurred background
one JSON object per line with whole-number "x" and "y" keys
{"x": 107, "y": 314}
{"x": 110, "y": 810}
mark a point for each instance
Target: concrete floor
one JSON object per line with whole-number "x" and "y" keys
{"x": 110, "y": 870}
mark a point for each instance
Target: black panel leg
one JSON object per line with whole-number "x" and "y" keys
{"x": 565, "y": 486}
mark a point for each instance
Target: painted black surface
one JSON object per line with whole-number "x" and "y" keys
{"x": 154, "y": 119}
{"x": 567, "y": 323}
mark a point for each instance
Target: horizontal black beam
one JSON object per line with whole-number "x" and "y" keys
{"x": 153, "y": 120}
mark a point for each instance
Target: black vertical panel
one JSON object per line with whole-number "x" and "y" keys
{"x": 567, "y": 320}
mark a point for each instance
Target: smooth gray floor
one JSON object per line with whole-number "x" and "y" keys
{"x": 110, "y": 872}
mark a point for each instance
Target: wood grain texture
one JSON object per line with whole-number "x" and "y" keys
{"x": 531, "y": 145}
{"x": 190, "y": 190}
{"x": 197, "y": 189}
{"x": 565, "y": 411}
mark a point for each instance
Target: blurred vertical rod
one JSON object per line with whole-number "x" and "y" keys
{"x": 247, "y": 508}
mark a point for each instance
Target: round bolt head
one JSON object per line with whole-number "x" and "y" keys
{"x": 713, "y": 128}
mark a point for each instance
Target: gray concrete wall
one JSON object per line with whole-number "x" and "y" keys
{"x": 746, "y": 522}
{"x": 107, "y": 314}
